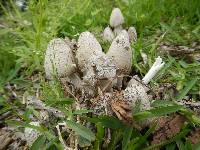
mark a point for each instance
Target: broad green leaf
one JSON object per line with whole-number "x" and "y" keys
{"x": 83, "y": 142}
{"x": 81, "y": 130}
{"x": 155, "y": 112}
{"x": 108, "y": 122}
{"x": 162, "y": 103}
{"x": 39, "y": 143}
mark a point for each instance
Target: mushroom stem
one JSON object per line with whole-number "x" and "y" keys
{"x": 158, "y": 64}
{"x": 118, "y": 30}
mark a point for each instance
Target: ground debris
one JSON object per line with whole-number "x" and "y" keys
{"x": 11, "y": 140}
{"x": 194, "y": 136}
{"x": 190, "y": 53}
{"x": 167, "y": 127}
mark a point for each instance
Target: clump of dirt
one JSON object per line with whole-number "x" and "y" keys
{"x": 194, "y": 136}
{"x": 167, "y": 127}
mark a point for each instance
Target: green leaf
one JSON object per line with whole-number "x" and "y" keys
{"x": 82, "y": 111}
{"x": 136, "y": 144}
{"x": 116, "y": 137}
{"x": 162, "y": 103}
{"x": 126, "y": 137}
{"x": 180, "y": 145}
{"x": 190, "y": 115}
{"x": 155, "y": 112}
{"x": 99, "y": 136}
{"x": 61, "y": 101}
{"x": 39, "y": 143}
{"x": 81, "y": 130}
{"x": 108, "y": 122}
{"x": 188, "y": 145}
{"x": 187, "y": 88}
{"x": 83, "y": 142}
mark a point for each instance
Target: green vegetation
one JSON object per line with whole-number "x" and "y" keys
{"x": 24, "y": 37}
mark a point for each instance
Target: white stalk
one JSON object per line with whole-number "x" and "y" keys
{"x": 158, "y": 64}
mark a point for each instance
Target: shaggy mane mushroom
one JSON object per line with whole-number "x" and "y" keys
{"x": 116, "y": 20}
{"x": 59, "y": 59}
{"x": 59, "y": 62}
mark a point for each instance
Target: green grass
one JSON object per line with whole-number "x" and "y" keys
{"x": 25, "y": 36}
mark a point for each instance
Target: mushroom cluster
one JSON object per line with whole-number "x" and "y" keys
{"x": 115, "y": 27}
{"x": 100, "y": 77}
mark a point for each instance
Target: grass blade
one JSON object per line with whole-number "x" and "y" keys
{"x": 39, "y": 143}
{"x": 184, "y": 92}
{"x": 155, "y": 112}
{"x": 81, "y": 130}
{"x": 126, "y": 137}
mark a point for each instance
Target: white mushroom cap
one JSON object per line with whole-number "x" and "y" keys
{"x": 87, "y": 46}
{"x": 108, "y": 35}
{"x": 132, "y": 34}
{"x": 116, "y": 18}
{"x": 136, "y": 96}
{"x": 121, "y": 52}
{"x": 31, "y": 134}
{"x": 58, "y": 59}
{"x": 136, "y": 93}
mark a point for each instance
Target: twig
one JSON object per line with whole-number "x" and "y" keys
{"x": 60, "y": 137}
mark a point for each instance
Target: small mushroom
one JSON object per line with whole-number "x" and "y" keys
{"x": 31, "y": 134}
{"x": 59, "y": 59}
{"x": 136, "y": 93}
{"x": 59, "y": 62}
{"x": 121, "y": 53}
{"x": 87, "y": 46}
{"x": 134, "y": 97}
{"x": 116, "y": 18}
{"x": 132, "y": 34}
{"x": 108, "y": 34}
